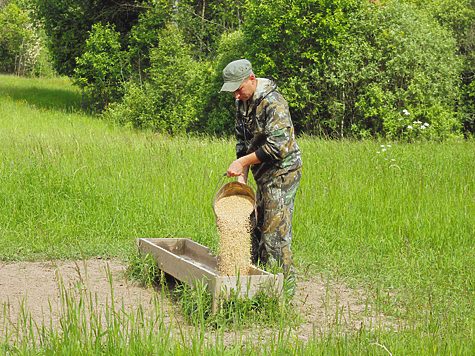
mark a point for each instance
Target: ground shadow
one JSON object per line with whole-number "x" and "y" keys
{"x": 39, "y": 97}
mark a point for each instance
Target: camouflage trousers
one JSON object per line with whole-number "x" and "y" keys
{"x": 272, "y": 236}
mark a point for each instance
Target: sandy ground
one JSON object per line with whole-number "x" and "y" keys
{"x": 39, "y": 288}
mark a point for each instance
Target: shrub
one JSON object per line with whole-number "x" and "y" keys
{"x": 459, "y": 17}
{"x": 68, "y": 23}
{"x": 405, "y": 61}
{"x": 180, "y": 93}
{"x": 102, "y": 68}
{"x": 218, "y": 112}
{"x": 145, "y": 35}
{"x": 292, "y": 41}
{"x": 168, "y": 101}
{"x": 19, "y": 45}
{"x": 350, "y": 67}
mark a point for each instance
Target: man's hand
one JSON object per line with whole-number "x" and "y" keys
{"x": 242, "y": 178}
{"x": 235, "y": 169}
{"x": 241, "y": 165}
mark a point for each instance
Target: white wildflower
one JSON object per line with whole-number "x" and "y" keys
{"x": 383, "y": 149}
{"x": 405, "y": 112}
{"x": 409, "y": 127}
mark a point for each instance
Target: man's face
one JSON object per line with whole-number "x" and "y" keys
{"x": 246, "y": 90}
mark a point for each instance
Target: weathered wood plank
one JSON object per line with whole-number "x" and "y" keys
{"x": 180, "y": 268}
{"x": 189, "y": 261}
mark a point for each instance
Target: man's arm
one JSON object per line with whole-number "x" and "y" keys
{"x": 278, "y": 129}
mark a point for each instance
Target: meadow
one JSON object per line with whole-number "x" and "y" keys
{"x": 395, "y": 219}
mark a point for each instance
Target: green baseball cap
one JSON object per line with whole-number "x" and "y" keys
{"x": 235, "y": 73}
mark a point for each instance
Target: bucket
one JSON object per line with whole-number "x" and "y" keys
{"x": 235, "y": 188}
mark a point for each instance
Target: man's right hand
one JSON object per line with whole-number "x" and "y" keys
{"x": 235, "y": 169}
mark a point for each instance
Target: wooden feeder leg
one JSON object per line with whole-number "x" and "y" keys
{"x": 216, "y": 295}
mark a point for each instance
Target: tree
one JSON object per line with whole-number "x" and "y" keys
{"x": 145, "y": 35}
{"x": 67, "y": 24}
{"x": 292, "y": 41}
{"x": 458, "y": 16}
{"x": 202, "y": 23}
{"x": 19, "y": 44}
{"x": 169, "y": 100}
{"x": 351, "y": 67}
{"x": 102, "y": 68}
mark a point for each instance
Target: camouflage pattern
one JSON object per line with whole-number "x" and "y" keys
{"x": 272, "y": 236}
{"x": 264, "y": 124}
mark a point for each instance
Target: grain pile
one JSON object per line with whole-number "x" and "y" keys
{"x": 232, "y": 219}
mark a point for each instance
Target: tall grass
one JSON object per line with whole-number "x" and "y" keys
{"x": 70, "y": 181}
{"x": 396, "y": 221}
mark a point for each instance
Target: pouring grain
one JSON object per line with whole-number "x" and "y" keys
{"x": 232, "y": 213}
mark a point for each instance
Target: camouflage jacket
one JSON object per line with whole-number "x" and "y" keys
{"x": 264, "y": 126}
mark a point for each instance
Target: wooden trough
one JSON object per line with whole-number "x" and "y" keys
{"x": 189, "y": 261}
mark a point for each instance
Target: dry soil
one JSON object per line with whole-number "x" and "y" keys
{"x": 37, "y": 287}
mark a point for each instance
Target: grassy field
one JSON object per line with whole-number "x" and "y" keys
{"x": 394, "y": 219}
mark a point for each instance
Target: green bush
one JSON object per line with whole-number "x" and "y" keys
{"x": 68, "y": 23}
{"x": 351, "y": 67}
{"x": 468, "y": 101}
{"x": 181, "y": 94}
{"x": 168, "y": 101}
{"x": 406, "y": 61}
{"x": 292, "y": 41}
{"x": 18, "y": 42}
{"x": 144, "y": 36}
{"x": 204, "y": 22}
{"x": 102, "y": 68}
{"x": 459, "y": 17}
{"x": 218, "y": 112}
{"x": 346, "y": 67}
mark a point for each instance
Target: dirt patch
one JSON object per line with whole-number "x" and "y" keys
{"x": 39, "y": 287}
{"x": 42, "y": 290}
{"x": 329, "y": 306}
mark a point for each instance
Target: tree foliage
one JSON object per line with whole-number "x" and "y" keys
{"x": 346, "y": 67}
{"x": 218, "y": 109}
{"x": 404, "y": 61}
{"x": 351, "y": 67}
{"x": 102, "y": 69}
{"x": 67, "y": 24}
{"x": 145, "y": 35}
{"x": 169, "y": 100}
{"x": 202, "y": 23}
{"x": 19, "y": 44}
{"x": 459, "y": 17}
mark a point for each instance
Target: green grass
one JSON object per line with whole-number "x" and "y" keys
{"x": 70, "y": 181}
{"x": 72, "y": 185}
{"x": 405, "y": 226}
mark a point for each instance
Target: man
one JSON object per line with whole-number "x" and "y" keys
{"x": 266, "y": 143}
